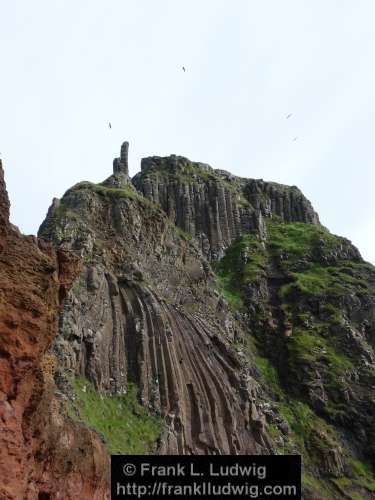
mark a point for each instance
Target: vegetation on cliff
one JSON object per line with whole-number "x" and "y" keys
{"x": 297, "y": 339}
{"x": 126, "y": 426}
{"x": 309, "y": 296}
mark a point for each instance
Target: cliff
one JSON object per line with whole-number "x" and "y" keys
{"x": 310, "y": 303}
{"x": 42, "y": 452}
{"x": 144, "y": 310}
{"x": 215, "y": 206}
{"x": 211, "y": 314}
{"x": 245, "y": 325}
{"x": 4, "y": 209}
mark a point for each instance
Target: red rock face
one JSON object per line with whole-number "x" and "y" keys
{"x": 4, "y": 208}
{"x": 43, "y": 453}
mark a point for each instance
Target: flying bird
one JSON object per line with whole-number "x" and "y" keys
{"x": 109, "y": 124}
{"x": 183, "y": 69}
{"x": 288, "y": 116}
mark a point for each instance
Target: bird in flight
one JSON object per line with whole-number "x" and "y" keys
{"x": 183, "y": 69}
{"x": 109, "y": 124}
{"x": 288, "y": 116}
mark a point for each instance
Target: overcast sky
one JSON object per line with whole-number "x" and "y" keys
{"x": 69, "y": 67}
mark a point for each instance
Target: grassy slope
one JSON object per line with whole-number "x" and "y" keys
{"x": 126, "y": 426}
{"x": 298, "y": 249}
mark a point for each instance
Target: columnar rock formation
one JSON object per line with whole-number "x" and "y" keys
{"x": 121, "y": 165}
{"x": 215, "y": 206}
{"x": 245, "y": 325}
{"x": 143, "y": 311}
{"x": 42, "y": 452}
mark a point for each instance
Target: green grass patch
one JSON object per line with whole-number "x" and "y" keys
{"x": 231, "y": 293}
{"x": 185, "y": 235}
{"x": 269, "y": 374}
{"x": 298, "y": 238}
{"x": 244, "y": 261}
{"x": 185, "y": 171}
{"x": 307, "y": 349}
{"x": 124, "y": 423}
{"x": 311, "y": 433}
{"x": 363, "y": 474}
{"x": 318, "y": 280}
{"x": 127, "y": 192}
{"x": 295, "y": 245}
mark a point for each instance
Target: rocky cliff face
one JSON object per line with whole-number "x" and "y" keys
{"x": 4, "y": 209}
{"x": 310, "y": 303}
{"x": 241, "y": 323}
{"x": 215, "y": 206}
{"x": 42, "y": 452}
{"x": 145, "y": 311}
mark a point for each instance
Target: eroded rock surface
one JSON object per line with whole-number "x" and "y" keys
{"x": 244, "y": 323}
{"x": 310, "y": 302}
{"x": 42, "y": 452}
{"x": 144, "y": 311}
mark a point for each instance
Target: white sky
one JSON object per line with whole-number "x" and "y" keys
{"x": 69, "y": 67}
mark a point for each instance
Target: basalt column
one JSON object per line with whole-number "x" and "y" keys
{"x": 121, "y": 165}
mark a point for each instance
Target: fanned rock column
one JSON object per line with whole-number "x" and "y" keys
{"x": 144, "y": 311}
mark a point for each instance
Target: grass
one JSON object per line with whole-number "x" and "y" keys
{"x": 296, "y": 245}
{"x": 298, "y": 238}
{"x": 269, "y": 374}
{"x": 363, "y": 474}
{"x": 244, "y": 261}
{"x": 309, "y": 352}
{"x": 125, "y": 425}
{"x": 317, "y": 272}
{"x": 311, "y": 433}
{"x": 293, "y": 244}
{"x": 128, "y": 192}
{"x": 299, "y": 416}
{"x": 317, "y": 279}
{"x": 308, "y": 346}
{"x": 185, "y": 235}
{"x": 231, "y": 293}
{"x": 63, "y": 211}
{"x": 186, "y": 171}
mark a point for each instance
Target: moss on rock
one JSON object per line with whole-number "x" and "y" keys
{"x": 125, "y": 425}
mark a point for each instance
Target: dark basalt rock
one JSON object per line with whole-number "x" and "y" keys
{"x": 215, "y": 206}
{"x": 143, "y": 310}
{"x": 287, "y": 367}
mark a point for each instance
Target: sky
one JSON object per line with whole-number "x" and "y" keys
{"x": 70, "y": 67}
